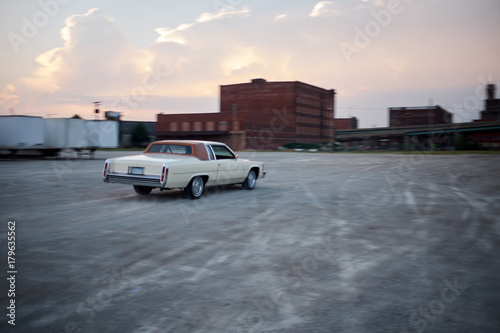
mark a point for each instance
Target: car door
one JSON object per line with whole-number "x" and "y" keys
{"x": 229, "y": 170}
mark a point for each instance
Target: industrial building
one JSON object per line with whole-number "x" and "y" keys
{"x": 259, "y": 115}
{"x": 490, "y": 113}
{"x": 491, "y": 105}
{"x": 346, "y": 123}
{"x": 420, "y": 115}
{"x": 429, "y": 128}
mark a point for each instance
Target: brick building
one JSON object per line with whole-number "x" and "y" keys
{"x": 491, "y": 105}
{"x": 420, "y": 115}
{"x": 259, "y": 115}
{"x": 491, "y": 112}
{"x": 346, "y": 123}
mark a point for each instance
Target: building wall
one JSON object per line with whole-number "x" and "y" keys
{"x": 414, "y": 116}
{"x": 276, "y": 113}
{"x": 267, "y": 109}
{"x": 314, "y": 114}
{"x": 193, "y": 122}
{"x": 346, "y": 123}
{"x": 200, "y": 126}
{"x": 491, "y": 112}
{"x": 491, "y": 104}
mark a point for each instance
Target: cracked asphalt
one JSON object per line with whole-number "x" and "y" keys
{"x": 325, "y": 243}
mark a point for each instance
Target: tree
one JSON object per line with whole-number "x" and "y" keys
{"x": 140, "y": 135}
{"x": 76, "y": 117}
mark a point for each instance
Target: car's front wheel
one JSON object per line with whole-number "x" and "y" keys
{"x": 195, "y": 188}
{"x": 251, "y": 181}
{"x": 142, "y": 190}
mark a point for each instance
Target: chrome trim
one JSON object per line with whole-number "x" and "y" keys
{"x": 235, "y": 157}
{"x": 131, "y": 167}
{"x": 213, "y": 152}
{"x": 121, "y": 178}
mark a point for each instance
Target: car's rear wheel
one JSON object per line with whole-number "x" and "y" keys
{"x": 250, "y": 181}
{"x": 195, "y": 188}
{"x": 142, "y": 190}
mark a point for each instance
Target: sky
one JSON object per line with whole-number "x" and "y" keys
{"x": 58, "y": 57}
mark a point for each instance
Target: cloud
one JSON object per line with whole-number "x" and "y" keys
{"x": 324, "y": 8}
{"x": 207, "y": 17}
{"x": 280, "y": 17}
{"x": 96, "y": 58}
{"x": 172, "y": 35}
{"x": 98, "y": 62}
{"x": 9, "y": 97}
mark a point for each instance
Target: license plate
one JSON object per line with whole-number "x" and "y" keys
{"x": 137, "y": 171}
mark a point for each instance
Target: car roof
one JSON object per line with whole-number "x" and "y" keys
{"x": 198, "y": 146}
{"x": 188, "y": 142}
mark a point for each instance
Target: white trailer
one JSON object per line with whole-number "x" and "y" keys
{"x": 65, "y": 133}
{"x": 82, "y": 136}
{"x": 102, "y": 133}
{"x": 50, "y": 136}
{"x": 21, "y": 133}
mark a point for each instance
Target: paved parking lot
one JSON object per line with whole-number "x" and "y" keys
{"x": 326, "y": 243}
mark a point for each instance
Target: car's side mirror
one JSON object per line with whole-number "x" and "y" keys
{"x": 236, "y": 157}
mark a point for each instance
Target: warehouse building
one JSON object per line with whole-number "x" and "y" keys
{"x": 491, "y": 105}
{"x": 420, "y": 115}
{"x": 490, "y": 113}
{"x": 346, "y": 123}
{"x": 259, "y": 115}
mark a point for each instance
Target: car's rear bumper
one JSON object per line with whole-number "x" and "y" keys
{"x": 120, "y": 178}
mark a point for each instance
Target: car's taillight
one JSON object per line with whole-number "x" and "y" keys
{"x": 164, "y": 172}
{"x": 105, "y": 171}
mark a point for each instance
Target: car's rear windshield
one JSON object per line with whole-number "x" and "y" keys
{"x": 171, "y": 149}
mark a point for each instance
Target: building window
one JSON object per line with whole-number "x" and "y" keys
{"x": 222, "y": 125}
{"x": 186, "y": 126}
{"x": 174, "y": 126}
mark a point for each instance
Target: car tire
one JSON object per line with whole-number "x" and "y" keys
{"x": 142, "y": 190}
{"x": 195, "y": 188}
{"x": 250, "y": 181}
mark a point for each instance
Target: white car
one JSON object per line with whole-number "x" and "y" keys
{"x": 179, "y": 164}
